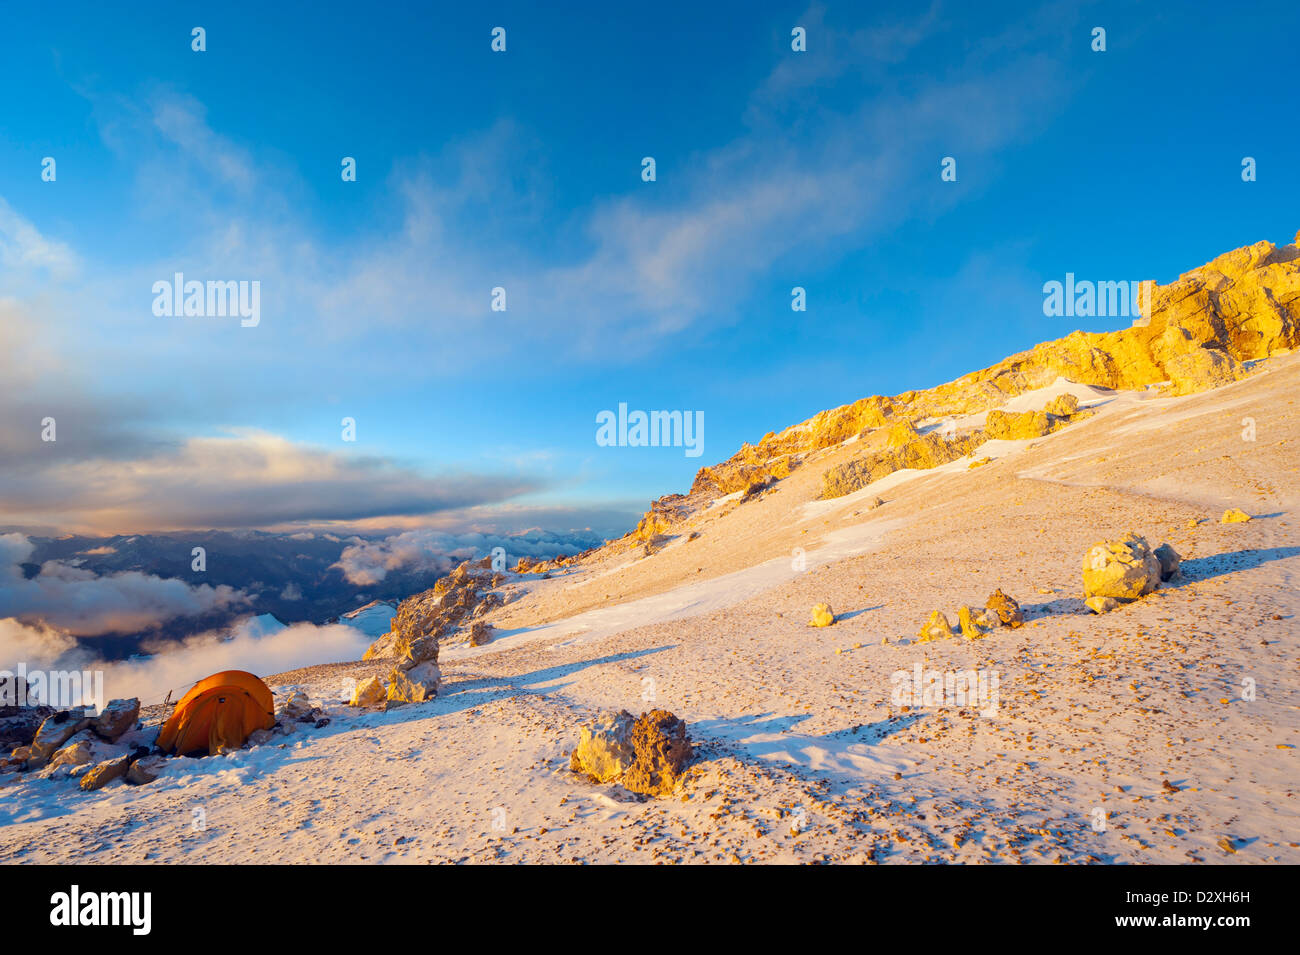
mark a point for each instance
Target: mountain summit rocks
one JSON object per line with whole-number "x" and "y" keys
{"x": 1201, "y": 332}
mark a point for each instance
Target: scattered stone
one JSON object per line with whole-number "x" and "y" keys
{"x": 85, "y": 747}
{"x": 979, "y": 463}
{"x": 605, "y": 746}
{"x": 297, "y": 708}
{"x": 969, "y": 628}
{"x": 416, "y": 685}
{"x": 369, "y": 692}
{"x": 1170, "y": 561}
{"x": 54, "y": 732}
{"x": 822, "y": 616}
{"x": 479, "y": 634}
{"x": 1234, "y": 516}
{"x": 1124, "y": 569}
{"x": 100, "y": 775}
{"x": 118, "y": 717}
{"x": 1006, "y": 608}
{"x": 661, "y": 751}
{"x": 1101, "y": 604}
{"x": 936, "y": 628}
{"x": 146, "y": 768}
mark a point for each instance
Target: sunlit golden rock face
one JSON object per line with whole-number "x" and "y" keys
{"x": 921, "y": 453}
{"x": 1198, "y": 332}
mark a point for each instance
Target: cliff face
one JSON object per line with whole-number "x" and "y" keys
{"x": 1242, "y": 306}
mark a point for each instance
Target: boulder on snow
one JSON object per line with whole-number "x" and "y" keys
{"x": 1234, "y": 515}
{"x": 297, "y": 708}
{"x": 146, "y": 769}
{"x": 118, "y": 717}
{"x": 661, "y": 751}
{"x": 822, "y": 616}
{"x": 1006, "y": 608}
{"x": 416, "y": 685}
{"x": 1124, "y": 569}
{"x": 369, "y": 692}
{"x": 53, "y": 733}
{"x": 412, "y": 651}
{"x": 479, "y": 633}
{"x": 604, "y": 746}
{"x": 81, "y": 749}
{"x": 100, "y": 775}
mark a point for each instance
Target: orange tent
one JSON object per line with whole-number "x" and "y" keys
{"x": 219, "y": 712}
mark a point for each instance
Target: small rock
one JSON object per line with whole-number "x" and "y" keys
{"x": 369, "y": 692}
{"x": 605, "y": 746}
{"x": 296, "y": 707}
{"x": 146, "y": 768}
{"x": 969, "y": 628}
{"x": 118, "y": 717}
{"x": 936, "y": 628}
{"x": 822, "y": 616}
{"x": 54, "y": 732}
{"x": 1101, "y": 604}
{"x": 104, "y": 773}
{"x": 1234, "y": 516}
{"x": 416, "y": 685}
{"x": 1006, "y": 608}
{"x": 1170, "y": 561}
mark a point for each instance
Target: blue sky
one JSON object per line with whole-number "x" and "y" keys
{"x": 522, "y": 170}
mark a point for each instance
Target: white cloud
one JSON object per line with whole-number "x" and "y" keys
{"x": 368, "y": 562}
{"x": 79, "y": 602}
{"x": 24, "y": 250}
{"x": 247, "y": 646}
